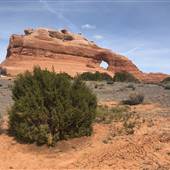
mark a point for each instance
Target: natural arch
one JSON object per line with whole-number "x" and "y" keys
{"x": 104, "y": 64}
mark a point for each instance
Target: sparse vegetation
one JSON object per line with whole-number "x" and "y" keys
{"x": 167, "y": 86}
{"x": 66, "y": 75}
{"x": 129, "y": 127}
{"x": 49, "y": 107}
{"x": 110, "y": 82}
{"x": 131, "y": 86}
{"x": 120, "y": 114}
{"x": 3, "y": 71}
{"x": 125, "y": 77}
{"x": 117, "y": 127}
{"x": 55, "y": 34}
{"x": 134, "y": 99}
{"x": 166, "y": 80}
{"x": 97, "y": 76}
{"x": 62, "y": 36}
{"x": 68, "y": 37}
{"x": 64, "y": 31}
{"x": 166, "y": 83}
{"x": 107, "y": 115}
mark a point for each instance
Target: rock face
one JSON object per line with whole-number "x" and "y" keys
{"x": 65, "y": 52}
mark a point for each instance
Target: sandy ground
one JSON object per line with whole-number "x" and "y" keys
{"x": 147, "y": 149}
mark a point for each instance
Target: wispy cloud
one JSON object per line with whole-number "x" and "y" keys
{"x": 88, "y": 26}
{"x": 59, "y": 15}
{"x": 30, "y": 8}
{"x": 131, "y": 50}
{"x": 98, "y": 37}
{"x": 46, "y": 5}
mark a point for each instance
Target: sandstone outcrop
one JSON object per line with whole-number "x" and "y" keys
{"x": 65, "y": 52}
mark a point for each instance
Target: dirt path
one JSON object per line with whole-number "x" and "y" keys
{"x": 147, "y": 148}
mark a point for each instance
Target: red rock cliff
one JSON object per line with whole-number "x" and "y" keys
{"x": 65, "y": 52}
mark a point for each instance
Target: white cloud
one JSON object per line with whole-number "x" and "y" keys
{"x": 98, "y": 37}
{"x": 88, "y": 26}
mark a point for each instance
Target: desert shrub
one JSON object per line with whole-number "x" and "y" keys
{"x": 95, "y": 86}
{"x": 166, "y": 83}
{"x": 49, "y": 107}
{"x": 129, "y": 127}
{"x": 66, "y": 75}
{"x": 110, "y": 82}
{"x": 107, "y": 78}
{"x": 105, "y": 114}
{"x": 61, "y": 35}
{"x": 3, "y": 71}
{"x": 134, "y": 99}
{"x": 68, "y": 37}
{"x": 167, "y": 86}
{"x": 125, "y": 77}
{"x": 55, "y": 34}
{"x": 122, "y": 115}
{"x": 97, "y": 76}
{"x": 166, "y": 80}
{"x": 131, "y": 86}
{"x": 64, "y": 31}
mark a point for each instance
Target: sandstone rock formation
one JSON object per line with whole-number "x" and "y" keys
{"x": 65, "y": 52}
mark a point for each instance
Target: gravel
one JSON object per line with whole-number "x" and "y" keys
{"x": 120, "y": 91}
{"x": 117, "y": 92}
{"x": 5, "y": 95}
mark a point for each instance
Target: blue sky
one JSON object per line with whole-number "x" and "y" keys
{"x": 135, "y": 28}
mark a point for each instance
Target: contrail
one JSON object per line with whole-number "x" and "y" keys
{"x": 70, "y": 24}
{"x": 132, "y": 50}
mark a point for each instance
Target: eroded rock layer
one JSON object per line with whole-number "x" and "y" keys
{"x": 65, "y": 52}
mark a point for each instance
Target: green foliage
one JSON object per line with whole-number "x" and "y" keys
{"x": 49, "y": 107}
{"x": 66, "y": 75}
{"x": 125, "y": 77}
{"x": 97, "y": 76}
{"x": 134, "y": 99}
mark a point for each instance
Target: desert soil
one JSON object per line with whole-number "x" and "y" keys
{"x": 105, "y": 92}
{"x": 120, "y": 91}
{"x": 147, "y": 149}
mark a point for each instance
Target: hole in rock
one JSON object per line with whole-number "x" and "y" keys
{"x": 104, "y": 64}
